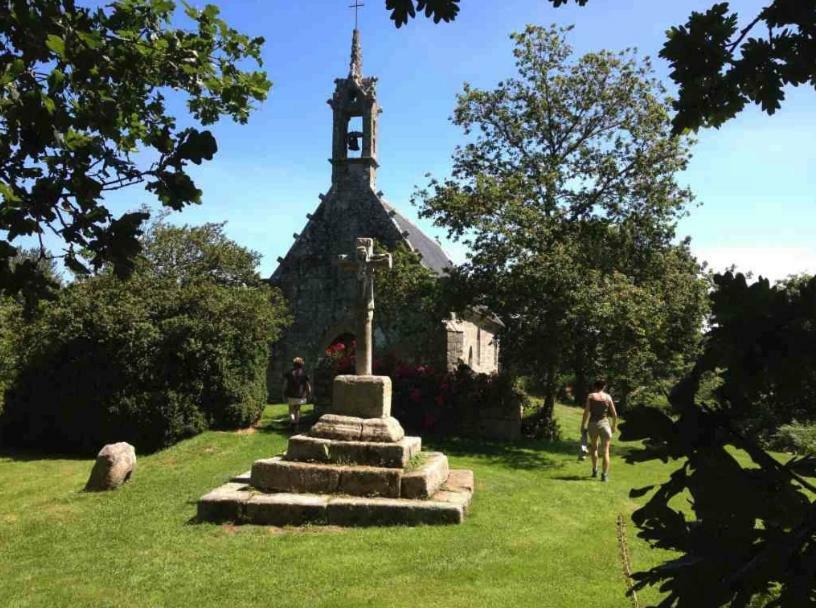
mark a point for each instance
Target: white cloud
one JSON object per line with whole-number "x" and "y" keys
{"x": 773, "y": 263}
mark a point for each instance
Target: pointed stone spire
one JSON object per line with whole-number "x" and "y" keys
{"x": 356, "y": 67}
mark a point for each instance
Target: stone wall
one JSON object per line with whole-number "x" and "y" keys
{"x": 473, "y": 340}
{"x": 492, "y": 423}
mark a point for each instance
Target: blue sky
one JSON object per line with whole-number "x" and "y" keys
{"x": 755, "y": 177}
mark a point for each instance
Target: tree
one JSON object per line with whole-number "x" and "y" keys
{"x": 179, "y": 347}
{"x": 409, "y": 306}
{"x": 81, "y": 92}
{"x": 753, "y": 531}
{"x": 718, "y": 67}
{"x": 567, "y": 199}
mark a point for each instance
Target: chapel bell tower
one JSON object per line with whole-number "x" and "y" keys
{"x": 356, "y": 112}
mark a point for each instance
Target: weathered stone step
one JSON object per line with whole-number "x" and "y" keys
{"x": 427, "y": 478}
{"x": 316, "y": 449}
{"x": 279, "y": 475}
{"x": 241, "y": 504}
{"x": 352, "y": 428}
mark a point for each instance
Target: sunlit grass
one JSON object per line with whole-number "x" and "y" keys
{"x": 541, "y": 532}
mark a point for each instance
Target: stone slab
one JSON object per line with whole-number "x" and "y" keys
{"x": 461, "y": 499}
{"x": 244, "y": 478}
{"x": 428, "y": 478}
{"x": 287, "y": 509}
{"x": 352, "y": 511}
{"x": 352, "y": 428}
{"x": 225, "y": 503}
{"x": 362, "y": 396}
{"x": 316, "y": 449}
{"x": 237, "y": 503}
{"x": 279, "y": 475}
{"x": 385, "y": 430}
{"x": 459, "y": 479}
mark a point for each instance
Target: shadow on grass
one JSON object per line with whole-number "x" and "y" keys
{"x": 521, "y": 454}
{"x": 575, "y": 478}
{"x": 30, "y": 455}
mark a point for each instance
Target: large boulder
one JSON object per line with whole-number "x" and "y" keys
{"x": 114, "y": 465}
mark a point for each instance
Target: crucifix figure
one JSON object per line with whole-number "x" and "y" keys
{"x": 364, "y": 263}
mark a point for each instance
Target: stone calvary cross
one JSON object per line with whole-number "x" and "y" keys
{"x": 364, "y": 263}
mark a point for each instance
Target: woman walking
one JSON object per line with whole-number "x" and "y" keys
{"x": 296, "y": 391}
{"x": 598, "y": 409}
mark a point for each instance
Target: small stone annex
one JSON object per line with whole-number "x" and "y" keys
{"x": 318, "y": 291}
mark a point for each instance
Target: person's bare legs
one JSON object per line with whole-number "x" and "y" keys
{"x": 294, "y": 414}
{"x": 593, "y": 452}
{"x": 606, "y": 444}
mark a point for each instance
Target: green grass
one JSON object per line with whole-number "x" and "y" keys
{"x": 540, "y": 533}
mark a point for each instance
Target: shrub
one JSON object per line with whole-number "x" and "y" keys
{"x": 179, "y": 348}
{"x": 796, "y": 438}
{"x": 10, "y": 319}
{"x": 429, "y": 400}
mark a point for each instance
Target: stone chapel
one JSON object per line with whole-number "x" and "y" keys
{"x": 320, "y": 294}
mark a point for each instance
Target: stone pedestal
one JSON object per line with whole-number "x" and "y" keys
{"x": 362, "y": 396}
{"x": 355, "y": 467}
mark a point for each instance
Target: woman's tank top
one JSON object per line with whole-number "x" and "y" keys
{"x": 597, "y": 408}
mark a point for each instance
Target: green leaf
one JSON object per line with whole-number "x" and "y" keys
{"x": 56, "y": 79}
{"x": 92, "y": 40}
{"x": 56, "y": 44}
{"x": 49, "y": 105}
{"x": 8, "y": 193}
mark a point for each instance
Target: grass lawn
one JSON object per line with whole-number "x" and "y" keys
{"x": 540, "y": 533}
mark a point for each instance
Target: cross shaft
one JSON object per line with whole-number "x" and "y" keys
{"x": 364, "y": 263}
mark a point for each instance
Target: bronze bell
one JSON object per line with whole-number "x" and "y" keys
{"x": 353, "y": 141}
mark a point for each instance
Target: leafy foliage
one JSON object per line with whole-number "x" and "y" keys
{"x": 795, "y": 437}
{"x": 439, "y": 10}
{"x": 10, "y": 320}
{"x": 408, "y": 330}
{"x": 180, "y": 347}
{"x": 81, "y": 92}
{"x": 567, "y": 199}
{"x": 720, "y": 68}
{"x": 754, "y": 532}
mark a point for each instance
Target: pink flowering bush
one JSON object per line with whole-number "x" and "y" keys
{"x": 430, "y": 400}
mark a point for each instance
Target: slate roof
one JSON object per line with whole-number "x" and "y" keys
{"x": 433, "y": 256}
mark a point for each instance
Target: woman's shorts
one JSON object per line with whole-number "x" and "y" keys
{"x": 601, "y": 429}
{"x": 296, "y": 401}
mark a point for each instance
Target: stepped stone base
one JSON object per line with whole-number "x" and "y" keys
{"x": 347, "y": 471}
{"x": 304, "y": 448}
{"x": 427, "y": 478}
{"x": 240, "y": 503}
